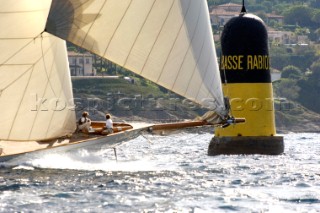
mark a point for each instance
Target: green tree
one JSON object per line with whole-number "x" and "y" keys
{"x": 279, "y": 58}
{"x": 317, "y": 32}
{"x": 287, "y": 88}
{"x": 292, "y": 72}
{"x": 299, "y": 15}
{"x": 316, "y": 16}
{"x": 315, "y": 68}
{"x": 303, "y": 57}
{"x": 310, "y": 89}
{"x": 315, "y": 4}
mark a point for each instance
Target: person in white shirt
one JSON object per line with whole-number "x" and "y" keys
{"x": 109, "y": 124}
{"x": 84, "y": 123}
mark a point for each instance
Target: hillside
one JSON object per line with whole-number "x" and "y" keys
{"x": 131, "y": 101}
{"x": 296, "y": 118}
{"x": 144, "y": 100}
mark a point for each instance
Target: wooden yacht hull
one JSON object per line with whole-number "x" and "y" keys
{"x": 10, "y": 150}
{"x": 33, "y": 148}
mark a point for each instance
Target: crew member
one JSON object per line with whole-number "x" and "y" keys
{"x": 109, "y": 124}
{"x": 84, "y": 123}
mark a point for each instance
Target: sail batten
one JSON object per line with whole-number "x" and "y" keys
{"x": 169, "y": 42}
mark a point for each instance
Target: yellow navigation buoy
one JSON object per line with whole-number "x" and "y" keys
{"x": 246, "y": 78}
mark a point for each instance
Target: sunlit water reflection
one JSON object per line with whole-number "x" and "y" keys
{"x": 166, "y": 174}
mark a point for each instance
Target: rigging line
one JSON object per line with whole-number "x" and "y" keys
{"x": 15, "y": 117}
{"x": 115, "y": 31}
{"x": 45, "y": 65}
{"x": 64, "y": 81}
{"x": 27, "y": 11}
{"x": 18, "y": 51}
{"x": 17, "y": 64}
{"x": 159, "y": 33}
{"x": 45, "y": 91}
{"x": 80, "y": 5}
{"x": 225, "y": 74}
{"x": 190, "y": 44}
{"x": 115, "y": 153}
{"x": 175, "y": 41}
{"x": 31, "y": 65}
{"x": 135, "y": 41}
{"x": 25, "y": 38}
{"x": 21, "y": 100}
{"x": 102, "y": 7}
{"x": 225, "y": 83}
{"x": 15, "y": 80}
{"x": 149, "y": 141}
{"x": 75, "y": 8}
{"x": 209, "y": 92}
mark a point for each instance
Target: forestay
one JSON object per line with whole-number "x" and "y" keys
{"x": 169, "y": 42}
{"x": 36, "y": 100}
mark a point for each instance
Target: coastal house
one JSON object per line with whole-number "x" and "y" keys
{"x": 281, "y": 37}
{"x": 221, "y": 14}
{"x": 81, "y": 64}
{"x": 274, "y": 18}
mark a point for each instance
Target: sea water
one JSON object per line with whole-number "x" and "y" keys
{"x": 166, "y": 174}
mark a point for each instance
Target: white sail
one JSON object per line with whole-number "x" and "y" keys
{"x": 36, "y": 101}
{"x": 169, "y": 42}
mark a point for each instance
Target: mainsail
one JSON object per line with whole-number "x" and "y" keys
{"x": 169, "y": 42}
{"x": 36, "y": 100}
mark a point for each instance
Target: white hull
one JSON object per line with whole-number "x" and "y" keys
{"x": 108, "y": 141}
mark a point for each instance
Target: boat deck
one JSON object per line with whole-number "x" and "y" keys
{"x": 122, "y": 132}
{"x": 8, "y": 148}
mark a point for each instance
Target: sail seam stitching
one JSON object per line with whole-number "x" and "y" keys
{"x": 26, "y": 38}
{"x": 24, "y": 93}
{"x": 196, "y": 64}
{"x": 60, "y": 93}
{"x": 45, "y": 67}
{"x": 175, "y": 42}
{"x": 135, "y": 41}
{"x": 29, "y": 11}
{"x": 18, "y": 51}
{"x": 48, "y": 83}
{"x": 206, "y": 70}
{"x": 32, "y": 70}
{"x": 14, "y": 54}
{"x": 156, "y": 40}
{"x": 15, "y": 80}
{"x": 212, "y": 94}
{"x": 114, "y": 33}
{"x": 185, "y": 56}
{"x": 103, "y": 5}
